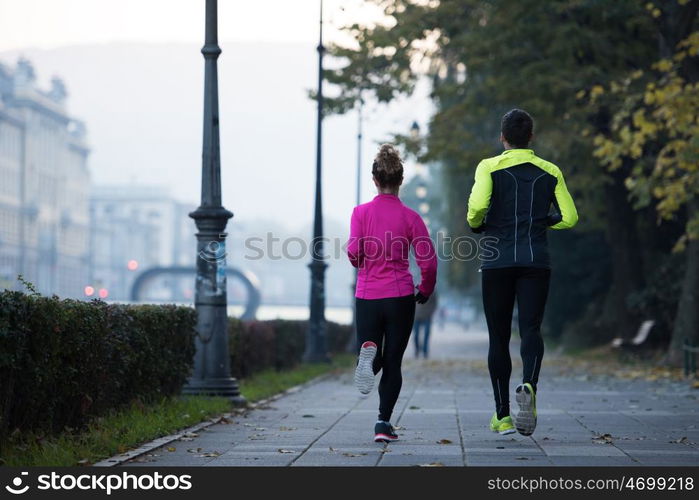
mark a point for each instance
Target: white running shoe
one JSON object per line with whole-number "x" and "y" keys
{"x": 364, "y": 373}
{"x": 525, "y": 420}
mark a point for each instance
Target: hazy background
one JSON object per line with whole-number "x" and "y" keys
{"x": 135, "y": 75}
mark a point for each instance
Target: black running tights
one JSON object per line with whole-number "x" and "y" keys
{"x": 529, "y": 285}
{"x": 388, "y": 323}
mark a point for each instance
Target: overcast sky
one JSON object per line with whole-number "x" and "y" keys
{"x": 134, "y": 73}
{"x": 55, "y": 23}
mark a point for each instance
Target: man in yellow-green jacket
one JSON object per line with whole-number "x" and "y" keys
{"x": 515, "y": 199}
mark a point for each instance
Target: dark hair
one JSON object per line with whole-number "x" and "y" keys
{"x": 517, "y": 127}
{"x": 388, "y": 167}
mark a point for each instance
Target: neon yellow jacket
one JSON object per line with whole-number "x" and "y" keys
{"x": 516, "y": 196}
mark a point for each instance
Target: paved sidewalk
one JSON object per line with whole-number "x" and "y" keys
{"x": 442, "y": 418}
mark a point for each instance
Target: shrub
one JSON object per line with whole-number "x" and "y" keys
{"x": 290, "y": 342}
{"x": 63, "y": 362}
{"x": 338, "y": 336}
{"x": 279, "y": 344}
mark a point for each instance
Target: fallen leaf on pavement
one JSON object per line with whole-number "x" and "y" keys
{"x": 683, "y": 439}
{"x": 603, "y": 439}
{"x": 433, "y": 464}
{"x": 194, "y": 450}
{"x": 171, "y": 448}
{"x": 444, "y": 441}
{"x": 209, "y": 454}
{"x": 282, "y": 450}
{"x": 348, "y": 454}
{"x": 414, "y": 408}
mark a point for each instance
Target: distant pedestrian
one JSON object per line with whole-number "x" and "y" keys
{"x": 382, "y": 233}
{"x": 423, "y": 326}
{"x": 442, "y": 317}
{"x": 515, "y": 199}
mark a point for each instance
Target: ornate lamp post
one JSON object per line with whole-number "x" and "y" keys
{"x": 360, "y": 127}
{"x": 212, "y": 374}
{"x": 316, "y": 350}
{"x": 352, "y": 342}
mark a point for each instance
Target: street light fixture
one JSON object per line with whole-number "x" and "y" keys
{"x": 316, "y": 351}
{"x": 212, "y": 374}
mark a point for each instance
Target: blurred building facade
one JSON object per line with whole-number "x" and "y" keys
{"x": 136, "y": 228}
{"x": 44, "y": 186}
{"x": 76, "y": 240}
{"x": 59, "y": 232}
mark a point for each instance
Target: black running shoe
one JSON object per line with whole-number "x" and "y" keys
{"x": 384, "y": 432}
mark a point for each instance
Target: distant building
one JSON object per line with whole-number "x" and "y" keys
{"x": 135, "y": 228}
{"x": 44, "y": 184}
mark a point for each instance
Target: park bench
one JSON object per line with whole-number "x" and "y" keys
{"x": 690, "y": 358}
{"x": 639, "y": 340}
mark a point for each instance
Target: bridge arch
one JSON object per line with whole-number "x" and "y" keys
{"x": 249, "y": 280}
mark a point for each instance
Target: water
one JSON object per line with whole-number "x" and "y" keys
{"x": 342, "y": 315}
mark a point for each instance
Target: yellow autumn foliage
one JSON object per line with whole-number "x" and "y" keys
{"x": 660, "y": 121}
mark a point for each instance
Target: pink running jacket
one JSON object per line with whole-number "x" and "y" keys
{"x": 382, "y": 232}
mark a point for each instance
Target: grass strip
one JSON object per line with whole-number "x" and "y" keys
{"x": 130, "y": 427}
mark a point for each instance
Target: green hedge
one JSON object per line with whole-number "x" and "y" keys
{"x": 279, "y": 344}
{"x": 63, "y": 362}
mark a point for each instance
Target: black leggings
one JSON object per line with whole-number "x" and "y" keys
{"x": 388, "y": 323}
{"x": 530, "y": 286}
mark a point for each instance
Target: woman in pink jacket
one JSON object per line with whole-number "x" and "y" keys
{"x": 382, "y": 232}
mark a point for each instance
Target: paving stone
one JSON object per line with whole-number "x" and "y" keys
{"x": 449, "y": 398}
{"x": 491, "y": 459}
{"x": 598, "y": 461}
{"x": 391, "y": 460}
{"x": 598, "y": 450}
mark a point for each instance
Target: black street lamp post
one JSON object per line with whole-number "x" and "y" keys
{"x": 352, "y": 341}
{"x": 360, "y": 127}
{"x": 212, "y": 373}
{"x": 316, "y": 350}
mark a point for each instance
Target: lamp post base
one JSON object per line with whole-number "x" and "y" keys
{"x": 221, "y": 387}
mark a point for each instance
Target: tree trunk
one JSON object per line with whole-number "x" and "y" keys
{"x": 687, "y": 318}
{"x": 681, "y": 21}
{"x": 626, "y": 259}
